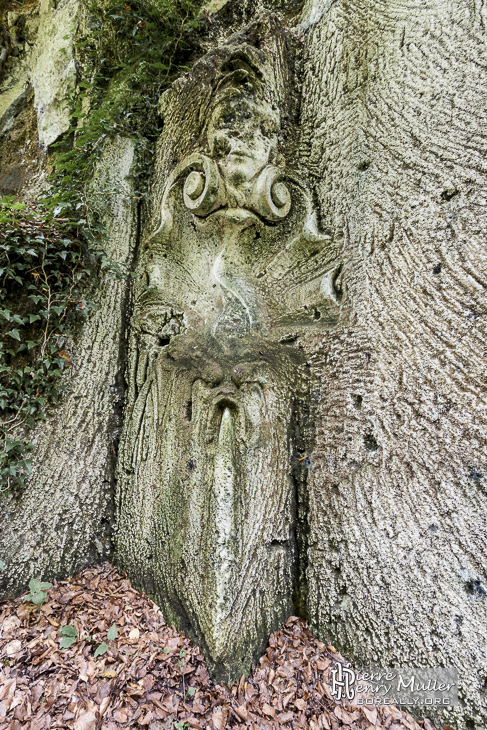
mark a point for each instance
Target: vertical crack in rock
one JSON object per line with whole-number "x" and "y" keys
{"x": 302, "y": 445}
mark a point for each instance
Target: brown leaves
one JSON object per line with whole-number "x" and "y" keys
{"x": 144, "y": 677}
{"x": 268, "y": 710}
{"x": 87, "y": 721}
{"x": 371, "y": 714}
{"x": 347, "y": 718}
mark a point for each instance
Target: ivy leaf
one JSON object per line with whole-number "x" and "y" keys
{"x": 66, "y": 642}
{"x": 112, "y": 633}
{"x": 68, "y": 631}
{"x": 101, "y": 650}
{"x": 34, "y": 585}
{"x": 191, "y": 691}
{"x": 15, "y": 334}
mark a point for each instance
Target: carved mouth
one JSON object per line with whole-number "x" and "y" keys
{"x": 232, "y": 215}
{"x": 226, "y": 397}
{"x": 240, "y": 154}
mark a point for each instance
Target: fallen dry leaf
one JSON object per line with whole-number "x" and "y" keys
{"x": 13, "y": 647}
{"x": 371, "y": 714}
{"x": 242, "y": 713}
{"x": 108, "y": 673}
{"x": 86, "y": 722}
{"x": 218, "y": 720}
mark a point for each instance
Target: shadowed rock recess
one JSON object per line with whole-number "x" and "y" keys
{"x": 286, "y": 414}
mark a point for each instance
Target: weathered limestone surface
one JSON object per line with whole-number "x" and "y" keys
{"x": 368, "y": 489}
{"x": 42, "y": 39}
{"x": 64, "y": 518}
{"x": 53, "y": 67}
{"x": 393, "y": 134}
{"x": 211, "y": 476}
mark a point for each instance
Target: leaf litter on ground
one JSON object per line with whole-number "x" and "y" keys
{"x": 150, "y": 676}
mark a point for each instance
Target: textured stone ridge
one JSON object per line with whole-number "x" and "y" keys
{"x": 65, "y": 516}
{"x": 393, "y": 134}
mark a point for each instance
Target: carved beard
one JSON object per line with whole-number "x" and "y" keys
{"x": 209, "y": 467}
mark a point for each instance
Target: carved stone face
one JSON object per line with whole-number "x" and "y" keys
{"x": 242, "y": 137}
{"x": 213, "y": 448}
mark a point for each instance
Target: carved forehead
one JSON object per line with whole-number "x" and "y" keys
{"x": 233, "y": 109}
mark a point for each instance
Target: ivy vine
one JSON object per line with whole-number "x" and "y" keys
{"x": 127, "y": 53}
{"x": 42, "y": 270}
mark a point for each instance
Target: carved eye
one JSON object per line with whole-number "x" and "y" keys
{"x": 280, "y": 195}
{"x": 221, "y": 145}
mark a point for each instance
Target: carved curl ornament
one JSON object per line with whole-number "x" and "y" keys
{"x": 205, "y": 190}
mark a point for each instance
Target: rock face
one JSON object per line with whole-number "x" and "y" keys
{"x": 305, "y": 393}
{"x": 64, "y": 519}
{"x": 395, "y": 147}
{"x": 53, "y": 69}
{"x": 40, "y": 52}
{"x": 211, "y": 474}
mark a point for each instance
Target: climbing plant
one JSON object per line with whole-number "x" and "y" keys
{"x": 127, "y": 53}
{"x": 43, "y": 266}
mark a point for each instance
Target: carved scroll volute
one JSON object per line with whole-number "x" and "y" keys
{"x": 203, "y": 189}
{"x": 271, "y": 198}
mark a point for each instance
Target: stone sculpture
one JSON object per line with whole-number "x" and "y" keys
{"x": 214, "y": 451}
